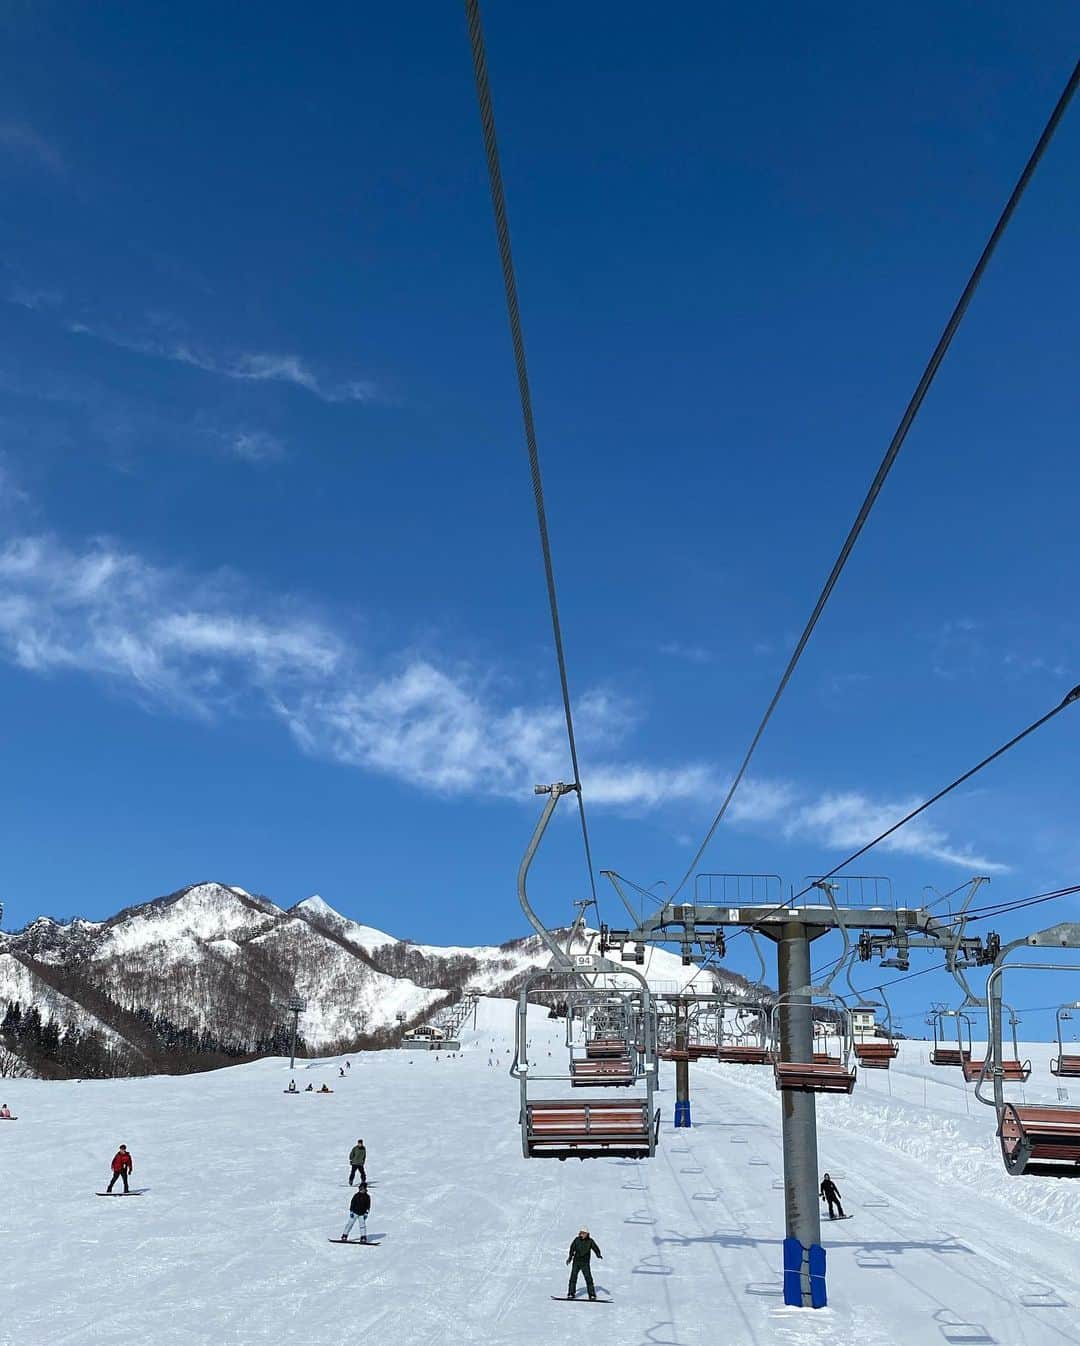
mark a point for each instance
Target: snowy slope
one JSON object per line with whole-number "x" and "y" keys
{"x": 246, "y": 1185}
{"x": 21, "y": 985}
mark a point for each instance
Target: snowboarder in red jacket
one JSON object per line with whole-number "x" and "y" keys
{"x": 121, "y": 1166}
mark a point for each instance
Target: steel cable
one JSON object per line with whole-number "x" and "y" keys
{"x": 894, "y": 448}
{"x": 1071, "y": 699}
{"x": 502, "y": 230}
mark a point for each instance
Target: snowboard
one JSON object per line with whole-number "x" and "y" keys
{"x": 371, "y": 1243}
{"x": 135, "y": 1191}
{"x": 9, "y": 1119}
{"x": 579, "y": 1299}
{"x": 833, "y": 1218}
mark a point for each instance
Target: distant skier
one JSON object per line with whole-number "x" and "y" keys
{"x": 292, "y": 1089}
{"x": 357, "y": 1160}
{"x": 310, "y": 1089}
{"x": 359, "y": 1207}
{"x": 326, "y": 1089}
{"x": 5, "y": 1113}
{"x": 581, "y": 1251}
{"x": 831, "y": 1194}
{"x": 348, "y": 1065}
{"x": 341, "y": 1072}
{"x": 122, "y": 1165}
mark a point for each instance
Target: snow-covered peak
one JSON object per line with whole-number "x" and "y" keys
{"x": 319, "y": 912}
{"x": 204, "y": 912}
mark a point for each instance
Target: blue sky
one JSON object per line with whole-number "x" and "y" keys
{"x": 271, "y": 606}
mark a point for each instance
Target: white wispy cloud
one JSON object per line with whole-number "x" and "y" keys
{"x": 107, "y": 612}
{"x": 692, "y": 654}
{"x": 22, "y": 140}
{"x": 848, "y": 819}
{"x": 255, "y": 446}
{"x": 205, "y": 647}
{"x": 245, "y": 366}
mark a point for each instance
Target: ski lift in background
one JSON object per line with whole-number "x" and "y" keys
{"x": 873, "y": 1051}
{"x": 1013, "y": 1070}
{"x": 950, "y": 1056}
{"x": 826, "y": 1073}
{"x": 1067, "y": 1065}
{"x": 747, "y": 1041}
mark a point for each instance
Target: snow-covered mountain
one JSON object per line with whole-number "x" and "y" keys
{"x": 205, "y": 974}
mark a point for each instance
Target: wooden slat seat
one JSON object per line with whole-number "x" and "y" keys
{"x": 949, "y": 1056}
{"x": 601, "y": 1047}
{"x": 816, "y": 1077}
{"x": 1013, "y": 1071}
{"x": 1044, "y": 1141}
{"x": 1066, "y": 1066}
{"x": 673, "y": 1054}
{"x": 568, "y": 1129}
{"x": 877, "y": 1055}
{"x": 605, "y": 1071}
{"x": 698, "y": 1051}
{"x": 737, "y": 1055}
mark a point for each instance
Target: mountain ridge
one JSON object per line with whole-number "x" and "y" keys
{"x": 203, "y": 975}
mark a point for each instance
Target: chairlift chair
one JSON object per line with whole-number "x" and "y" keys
{"x": 874, "y": 1052}
{"x": 1013, "y": 1070}
{"x": 1067, "y": 1064}
{"x": 1036, "y": 1140}
{"x": 569, "y": 1128}
{"x": 747, "y": 1042}
{"x": 950, "y": 1056}
{"x": 825, "y": 1073}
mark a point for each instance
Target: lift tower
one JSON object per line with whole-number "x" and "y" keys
{"x": 794, "y": 925}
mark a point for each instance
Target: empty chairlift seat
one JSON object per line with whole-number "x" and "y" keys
{"x": 876, "y": 1055}
{"x": 1066, "y": 1066}
{"x": 601, "y": 1071}
{"x": 1011, "y": 1071}
{"x": 949, "y": 1056}
{"x": 598, "y": 1048}
{"x": 568, "y": 1129}
{"x": 814, "y": 1077}
{"x": 738, "y": 1055}
{"x": 698, "y": 1051}
{"x": 1044, "y": 1141}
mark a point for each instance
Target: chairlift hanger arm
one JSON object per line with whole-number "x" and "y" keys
{"x": 613, "y": 879}
{"x": 554, "y": 792}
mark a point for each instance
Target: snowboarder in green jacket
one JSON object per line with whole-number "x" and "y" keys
{"x": 580, "y": 1252}
{"x": 357, "y": 1160}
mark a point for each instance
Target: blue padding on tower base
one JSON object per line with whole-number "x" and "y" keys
{"x": 818, "y": 1295}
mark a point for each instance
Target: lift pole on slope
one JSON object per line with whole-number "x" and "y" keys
{"x": 682, "y": 1064}
{"x": 296, "y": 1006}
{"x": 793, "y": 929}
{"x": 798, "y": 1112}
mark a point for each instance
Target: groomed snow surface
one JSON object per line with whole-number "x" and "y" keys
{"x": 245, "y": 1186}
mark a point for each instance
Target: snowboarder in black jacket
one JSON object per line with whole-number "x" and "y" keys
{"x": 830, "y": 1193}
{"x": 359, "y": 1207}
{"x": 580, "y": 1252}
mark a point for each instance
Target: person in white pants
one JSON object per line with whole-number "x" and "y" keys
{"x": 359, "y": 1207}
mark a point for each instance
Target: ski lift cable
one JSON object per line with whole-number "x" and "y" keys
{"x": 1071, "y": 699}
{"x": 893, "y": 450}
{"x": 1003, "y": 908}
{"x": 502, "y": 230}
